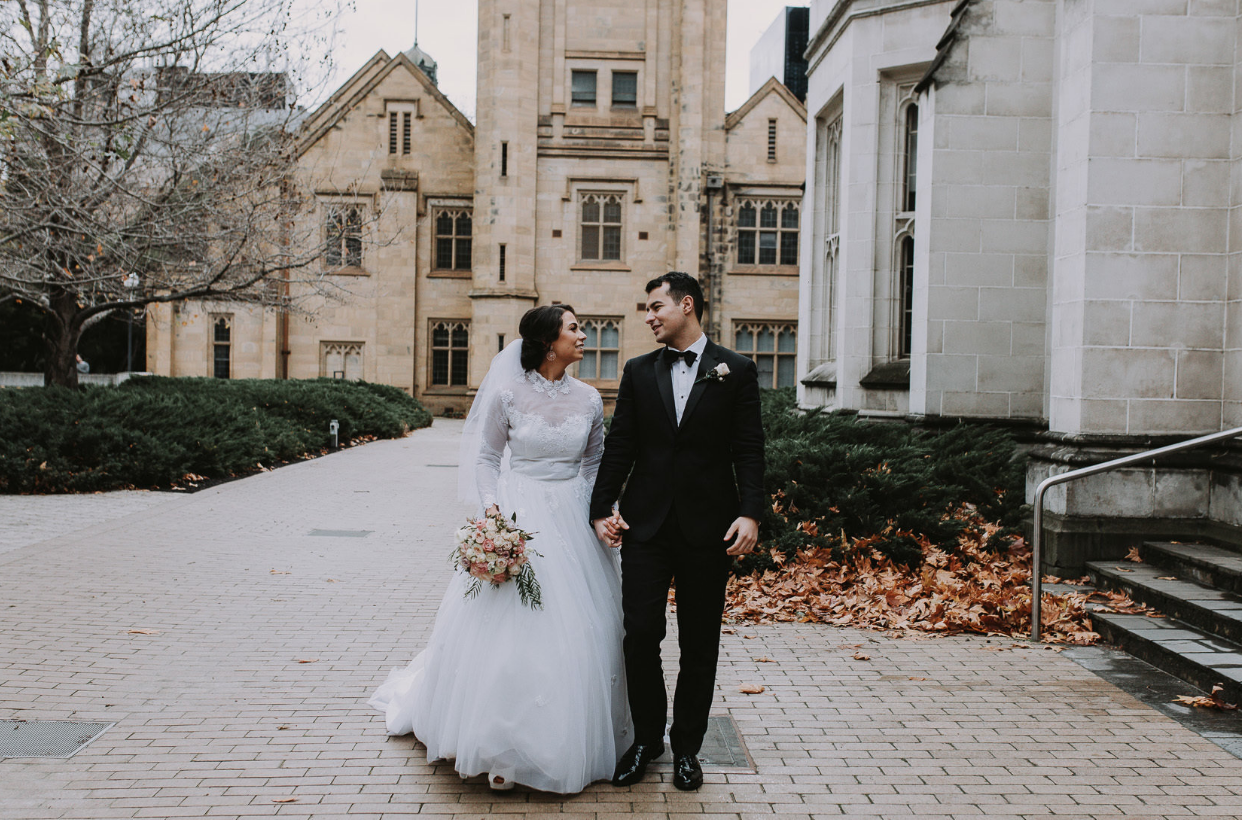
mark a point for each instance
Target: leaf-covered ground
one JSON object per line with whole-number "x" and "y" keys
{"x": 979, "y": 587}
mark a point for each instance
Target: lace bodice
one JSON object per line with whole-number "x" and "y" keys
{"x": 554, "y": 431}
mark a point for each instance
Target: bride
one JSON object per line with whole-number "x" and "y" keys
{"x": 527, "y": 696}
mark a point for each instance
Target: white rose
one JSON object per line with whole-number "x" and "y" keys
{"x": 722, "y": 370}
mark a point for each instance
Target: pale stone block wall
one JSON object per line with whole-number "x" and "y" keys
{"x": 1144, "y": 156}
{"x": 870, "y": 54}
{"x": 987, "y": 225}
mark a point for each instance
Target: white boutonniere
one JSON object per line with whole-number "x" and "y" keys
{"x": 716, "y": 374}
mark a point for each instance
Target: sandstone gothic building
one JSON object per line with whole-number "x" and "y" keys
{"x": 602, "y": 157}
{"x": 1027, "y": 212}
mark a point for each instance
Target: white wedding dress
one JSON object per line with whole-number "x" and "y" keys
{"x": 535, "y": 697}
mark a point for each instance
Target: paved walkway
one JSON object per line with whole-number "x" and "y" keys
{"x": 218, "y": 715}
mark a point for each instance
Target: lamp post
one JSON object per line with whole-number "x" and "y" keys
{"x": 130, "y": 283}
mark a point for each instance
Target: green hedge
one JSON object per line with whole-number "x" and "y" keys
{"x": 832, "y": 474}
{"x": 151, "y": 431}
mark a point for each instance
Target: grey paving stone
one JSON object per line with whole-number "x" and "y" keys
{"x": 233, "y": 592}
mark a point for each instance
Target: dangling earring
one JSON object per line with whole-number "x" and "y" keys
{"x": 551, "y": 355}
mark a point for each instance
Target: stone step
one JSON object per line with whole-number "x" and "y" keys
{"x": 1205, "y": 563}
{"x": 1213, "y": 611}
{"x": 1197, "y": 657}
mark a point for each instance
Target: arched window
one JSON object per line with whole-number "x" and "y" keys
{"x": 905, "y": 299}
{"x": 601, "y": 350}
{"x": 340, "y": 360}
{"x": 601, "y": 227}
{"x": 344, "y": 237}
{"x": 453, "y": 240}
{"x": 221, "y": 345}
{"x": 910, "y": 151}
{"x": 450, "y": 353}
{"x": 767, "y": 232}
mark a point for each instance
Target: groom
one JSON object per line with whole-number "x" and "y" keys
{"x": 687, "y": 445}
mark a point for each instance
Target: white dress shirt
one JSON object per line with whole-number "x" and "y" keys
{"x": 683, "y": 375}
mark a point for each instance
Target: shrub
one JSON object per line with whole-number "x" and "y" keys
{"x": 153, "y": 431}
{"x": 835, "y": 479}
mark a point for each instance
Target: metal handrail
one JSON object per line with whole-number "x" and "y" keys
{"x": 1083, "y": 472}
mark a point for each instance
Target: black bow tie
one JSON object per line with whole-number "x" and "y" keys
{"x": 671, "y": 356}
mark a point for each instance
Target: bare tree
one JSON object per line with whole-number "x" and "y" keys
{"x": 147, "y": 155}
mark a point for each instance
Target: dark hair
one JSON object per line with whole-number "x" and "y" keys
{"x": 540, "y": 327}
{"x": 681, "y": 285}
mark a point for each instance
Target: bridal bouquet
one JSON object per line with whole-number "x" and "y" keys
{"x": 494, "y": 550}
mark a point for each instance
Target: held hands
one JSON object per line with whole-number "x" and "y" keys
{"x": 609, "y": 530}
{"x": 747, "y": 532}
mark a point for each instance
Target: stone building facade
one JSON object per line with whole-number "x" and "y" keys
{"x": 601, "y": 157}
{"x": 1021, "y": 211}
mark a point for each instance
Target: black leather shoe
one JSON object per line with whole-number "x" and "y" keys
{"x": 687, "y": 773}
{"x": 633, "y": 764}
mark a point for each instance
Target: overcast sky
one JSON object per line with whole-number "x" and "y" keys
{"x": 448, "y": 29}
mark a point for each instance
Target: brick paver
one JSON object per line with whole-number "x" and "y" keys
{"x": 216, "y": 717}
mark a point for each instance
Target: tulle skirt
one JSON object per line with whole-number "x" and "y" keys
{"x": 534, "y": 696}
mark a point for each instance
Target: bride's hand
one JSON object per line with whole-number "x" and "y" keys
{"x": 492, "y": 510}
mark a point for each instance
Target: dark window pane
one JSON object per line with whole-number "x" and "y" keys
{"x": 746, "y": 247}
{"x": 221, "y": 363}
{"x": 912, "y": 157}
{"x": 586, "y": 369}
{"x": 583, "y": 87}
{"x": 624, "y": 89}
{"x": 612, "y": 211}
{"x": 591, "y": 329}
{"x": 444, "y": 253}
{"x": 353, "y": 221}
{"x": 611, "y": 337}
{"x": 444, "y": 224}
{"x": 590, "y": 242}
{"x": 746, "y": 217}
{"x": 612, "y": 242}
{"x": 222, "y": 332}
{"x": 767, "y": 217}
{"x": 392, "y": 132}
{"x": 405, "y": 133}
{"x": 590, "y": 210}
{"x": 608, "y": 365}
{"x": 461, "y": 336}
{"x": 789, "y": 216}
{"x": 463, "y": 225}
{"x": 439, "y": 367}
{"x": 767, "y": 370}
{"x": 785, "y": 371}
{"x": 787, "y": 342}
{"x": 744, "y": 341}
{"x": 767, "y": 247}
{"x": 459, "y": 367}
{"x": 440, "y": 336}
{"x": 766, "y": 341}
{"x": 789, "y": 248}
{"x": 463, "y": 255}
{"x": 353, "y": 251}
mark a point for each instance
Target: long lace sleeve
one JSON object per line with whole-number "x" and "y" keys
{"x": 595, "y": 442}
{"x": 495, "y": 433}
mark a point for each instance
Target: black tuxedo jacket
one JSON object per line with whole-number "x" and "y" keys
{"x": 709, "y": 469}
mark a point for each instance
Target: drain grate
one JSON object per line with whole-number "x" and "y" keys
{"x": 342, "y": 533}
{"x": 722, "y": 748}
{"x": 46, "y": 738}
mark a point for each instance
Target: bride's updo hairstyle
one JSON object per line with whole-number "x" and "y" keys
{"x": 540, "y": 327}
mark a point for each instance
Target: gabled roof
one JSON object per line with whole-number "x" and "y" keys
{"x": 362, "y": 83}
{"x": 772, "y": 86}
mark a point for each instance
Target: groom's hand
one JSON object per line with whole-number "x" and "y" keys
{"x": 608, "y": 530}
{"x": 747, "y": 532}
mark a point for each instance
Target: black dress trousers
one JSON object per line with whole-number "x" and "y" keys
{"x": 700, "y": 574}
